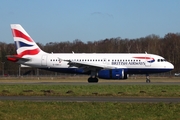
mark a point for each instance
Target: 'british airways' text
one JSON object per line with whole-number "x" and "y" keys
{"x": 128, "y": 63}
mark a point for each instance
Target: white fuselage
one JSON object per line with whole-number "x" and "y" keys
{"x": 131, "y": 62}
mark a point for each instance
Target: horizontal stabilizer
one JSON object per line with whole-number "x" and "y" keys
{"x": 25, "y": 65}
{"x": 15, "y": 58}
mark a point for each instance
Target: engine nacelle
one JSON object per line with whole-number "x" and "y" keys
{"x": 112, "y": 74}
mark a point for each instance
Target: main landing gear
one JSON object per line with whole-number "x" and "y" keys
{"x": 93, "y": 78}
{"x": 147, "y": 78}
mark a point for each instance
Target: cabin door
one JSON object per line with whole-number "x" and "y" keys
{"x": 44, "y": 60}
{"x": 105, "y": 61}
{"x": 148, "y": 61}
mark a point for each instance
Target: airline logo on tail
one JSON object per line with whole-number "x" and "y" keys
{"x": 24, "y": 43}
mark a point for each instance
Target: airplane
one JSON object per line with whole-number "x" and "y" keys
{"x": 115, "y": 66}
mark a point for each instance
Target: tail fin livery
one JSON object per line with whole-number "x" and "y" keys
{"x": 25, "y": 45}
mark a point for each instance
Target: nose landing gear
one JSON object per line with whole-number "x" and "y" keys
{"x": 147, "y": 78}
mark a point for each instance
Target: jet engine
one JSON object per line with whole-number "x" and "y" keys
{"x": 112, "y": 74}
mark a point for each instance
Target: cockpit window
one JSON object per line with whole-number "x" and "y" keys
{"x": 161, "y": 60}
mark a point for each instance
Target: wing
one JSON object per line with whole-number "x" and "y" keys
{"x": 86, "y": 66}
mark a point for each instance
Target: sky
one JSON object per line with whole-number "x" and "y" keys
{"x": 89, "y": 20}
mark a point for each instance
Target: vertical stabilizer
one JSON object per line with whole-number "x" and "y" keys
{"x": 25, "y": 45}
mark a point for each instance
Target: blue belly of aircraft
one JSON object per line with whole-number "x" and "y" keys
{"x": 128, "y": 71}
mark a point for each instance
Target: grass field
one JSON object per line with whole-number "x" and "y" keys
{"x": 92, "y": 90}
{"x": 25, "y": 110}
{"x": 11, "y": 110}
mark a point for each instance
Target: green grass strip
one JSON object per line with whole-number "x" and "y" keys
{"x": 11, "y": 110}
{"x": 92, "y": 90}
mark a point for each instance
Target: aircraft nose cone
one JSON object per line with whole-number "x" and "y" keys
{"x": 171, "y": 66}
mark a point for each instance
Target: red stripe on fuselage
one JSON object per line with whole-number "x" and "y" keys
{"x": 17, "y": 33}
{"x": 142, "y": 57}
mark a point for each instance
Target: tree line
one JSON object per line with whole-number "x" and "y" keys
{"x": 168, "y": 47}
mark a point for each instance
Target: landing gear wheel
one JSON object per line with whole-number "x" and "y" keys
{"x": 148, "y": 80}
{"x": 92, "y": 80}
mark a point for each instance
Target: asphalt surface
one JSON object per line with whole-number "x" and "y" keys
{"x": 89, "y": 99}
{"x": 110, "y": 83}
{"x": 86, "y": 83}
